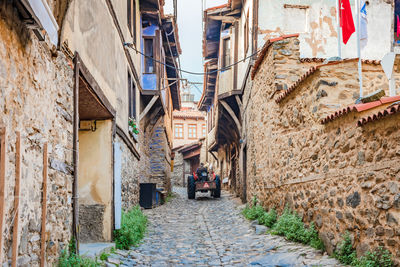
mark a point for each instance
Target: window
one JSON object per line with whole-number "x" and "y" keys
{"x": 192, "y": 131}
{"x": 131, "y": 9}
{"x": 203, "y": 130}
{"x": 149, "y": 52}
{"x": 131, "y": 97}
{"x": 396, "y": 22}
{"x": 178, "y": 130}
{"x": 246, "y": 34}
{"x": 226, "y": 52}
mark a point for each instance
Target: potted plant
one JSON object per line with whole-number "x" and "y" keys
{"x": 133, "y": 129}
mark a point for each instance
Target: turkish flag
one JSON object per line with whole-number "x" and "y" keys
{"x": 346, "y": 20}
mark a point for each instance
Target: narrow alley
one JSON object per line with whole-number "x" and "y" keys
{"x": 212, "y": 232}
{"x": 199, "y": 133}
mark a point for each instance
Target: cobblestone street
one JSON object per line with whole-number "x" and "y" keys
{"x": 212, "y": 232}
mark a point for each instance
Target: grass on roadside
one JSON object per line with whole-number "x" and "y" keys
{"x": 69, "y": 258}
{"x": 290, "y": 225}
{"x": 168, "y": 198}
{"x": 133, "y": 228}
{"x": 346, "y": 254}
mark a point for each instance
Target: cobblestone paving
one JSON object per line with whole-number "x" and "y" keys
{"x": 212, "y": 232}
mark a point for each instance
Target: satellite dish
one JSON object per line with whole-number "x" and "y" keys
{"x": 388, "y": 64}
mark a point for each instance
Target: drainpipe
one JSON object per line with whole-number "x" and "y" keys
{"x": 75, "y": 196}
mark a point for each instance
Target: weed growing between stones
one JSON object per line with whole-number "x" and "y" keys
{"x": 69, "y": 258}
{"x": 133, "y": 228}
{"x": 168, "y": 198}
{"x": 346, "y": 254}
{"x": 289, "y": 224}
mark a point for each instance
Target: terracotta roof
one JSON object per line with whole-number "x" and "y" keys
{"x": 313, "y": 69}
{"x": 380, "y": 115}
{"x": 189, "y": 114}
{"x": 264, "y": 50}
{"x": 359, "y": 108}
{"x": 297, "y": 83}
{"x": 316, "y": 59}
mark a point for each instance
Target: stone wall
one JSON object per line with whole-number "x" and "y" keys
{"x": 156, "y": 149}
{"x": 36, "y": 91}
{"x": 177, "y": 174}
{"x": 129, "y": 176}
{"x": 338, "y": 175}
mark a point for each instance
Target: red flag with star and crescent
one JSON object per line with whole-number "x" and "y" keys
{"x": 346, "y": 20}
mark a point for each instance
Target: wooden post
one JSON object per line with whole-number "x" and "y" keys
{"x": 15, "y": 238}
{"x": 2, "y": 185}
{"x": 75, "y": 222}
{"x": 44, "y": 209}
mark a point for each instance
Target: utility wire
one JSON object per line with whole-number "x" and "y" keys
{"x": 130, "y": 45}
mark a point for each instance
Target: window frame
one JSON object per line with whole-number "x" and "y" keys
{"x": 131, "y": 18}
{"x": 226, "y": 53}
{"x": 131, "y": 97}
{"x": 152, "y": 38}
{"x": 203, "y": 130}
{"x": 194, "y": 132}
{"x": 182, "y": 131}
{"x": 246, "y": 31}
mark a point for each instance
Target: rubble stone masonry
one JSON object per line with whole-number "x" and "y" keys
{"x": 129, "y": 176}
{"x": 340, "y": 176}
{"x": 36, "y": 96}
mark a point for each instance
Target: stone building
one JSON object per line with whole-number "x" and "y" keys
{"x": 189, "y": 129}
{"x": 161, "y": 93}
{"x": 36, "y": 122}
{"x": 79, "y": 124}
{"x": 283, "y": 116}
{"x": 311, "y": 148}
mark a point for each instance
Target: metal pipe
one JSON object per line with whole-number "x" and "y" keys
{"x": 359, "y": 48}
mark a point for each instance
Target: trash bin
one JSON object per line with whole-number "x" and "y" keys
{"x": 147, "y": 195}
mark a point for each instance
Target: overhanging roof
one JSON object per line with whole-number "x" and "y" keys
{"x": 172, "y": 51}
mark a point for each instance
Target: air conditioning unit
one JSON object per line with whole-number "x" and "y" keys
{"x": 37, "y": 16}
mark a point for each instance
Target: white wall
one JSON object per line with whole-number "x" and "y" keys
{"x": 317, "y": 27}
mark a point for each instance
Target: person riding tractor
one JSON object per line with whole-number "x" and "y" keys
{"x": 202, "y": 180}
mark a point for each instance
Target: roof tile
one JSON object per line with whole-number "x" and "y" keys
{"x": 379, "y": 115}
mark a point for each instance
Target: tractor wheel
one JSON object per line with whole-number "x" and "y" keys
{"x": 217, "y": 191}
{"x": 191, "y": 188}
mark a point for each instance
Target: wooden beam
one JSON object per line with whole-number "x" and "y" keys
{"x": 232, "y": 114}
{"x": 15, "y": 237}
{"x": 239, "y": 102}
{"x": 223, "y": 18}
{"x": 148, "y": 107}
{"x": 2, "y": 185}
{"x": 44, "y": 209}
{"x": 212, "y": 154}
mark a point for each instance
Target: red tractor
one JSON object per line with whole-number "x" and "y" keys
{"x": 202, "y": 181}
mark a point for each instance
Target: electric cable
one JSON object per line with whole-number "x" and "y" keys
{"x": 130, "y": 45}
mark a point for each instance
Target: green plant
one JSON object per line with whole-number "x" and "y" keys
{"x": 132, "y": 125}
{"x": 268, "y": 218}
{"x": 168, "y": 198}
{"x": 104, "y": 256}
{"x": 133, "y": 228}
{"x": 290, "y": 225}
{"x": 253, "y": 213}
{"x": 69, "y": 258}
{"x": 345, "y": 253}
{"x": 380, "y": 257}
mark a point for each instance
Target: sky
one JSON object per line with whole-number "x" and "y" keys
{"x": 190, "y": 37}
